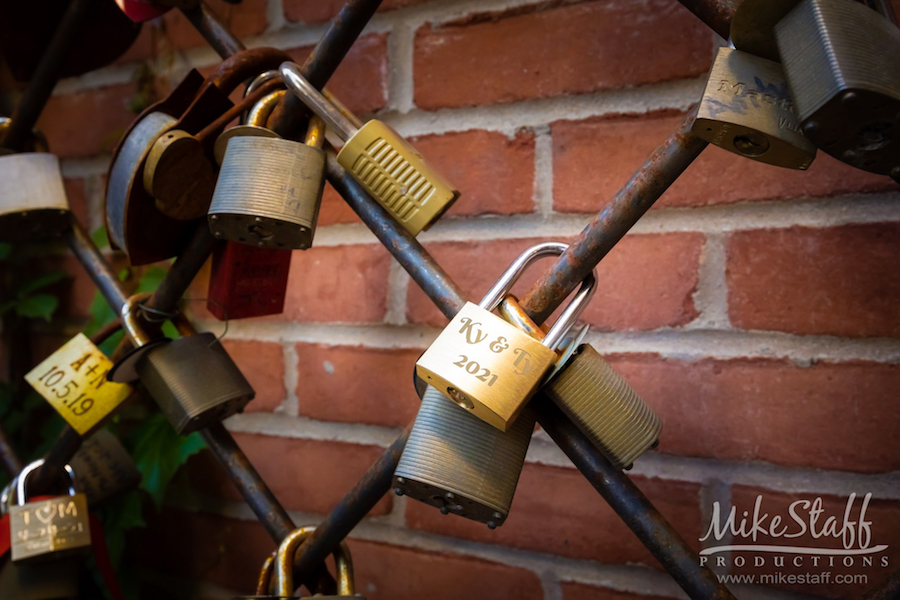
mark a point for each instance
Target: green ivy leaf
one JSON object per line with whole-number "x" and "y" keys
{"x": 41, "y": 281}
{"x": 100, "y": 238}
{"x": 159, "y": 452}
{"x": 118, "y": 517}
{"x": 5, "y": 250}
{"x": 38, "y": 306}
{"x": 151, "y": 279}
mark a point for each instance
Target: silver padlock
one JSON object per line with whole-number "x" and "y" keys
{"x": 33, "y": 203}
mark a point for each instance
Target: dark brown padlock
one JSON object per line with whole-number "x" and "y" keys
{"x": 192, "y": 379}
{"x": 104, "y": 468}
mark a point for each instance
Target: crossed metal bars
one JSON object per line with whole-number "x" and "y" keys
{"x": 651, "y": 180}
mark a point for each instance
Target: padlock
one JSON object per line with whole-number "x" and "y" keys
{"x": 51, "y": 528}
{"x": 385, "y": 164}
{"x": 192, "y": 379}
{"x": 747, "y": 109}
{"x": 842, "y": 62}
{"x": 48, "y": 580}
{"x": 277, "y": 570}
{"x": 753, "y": 26}
{"x": 104, "y": 468}
{"x": 246, "y": 281}
{"x": 269, "y": 190}
{"x": 33, "y": 203}
{"x": 487, "y": 365}
{"x": 254, "y": 124}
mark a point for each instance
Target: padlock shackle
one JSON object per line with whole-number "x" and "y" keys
{"x": 315, "y": 134}
{"x": 260, "y": 112}
{"x": 129, "y": 315}
{"x": 313, "y": 98}
{"x": 31, "y": 467}
{"x": 571, "y": 313}
{"x": 284, "y": 564}
{"x": 260, "y": 80}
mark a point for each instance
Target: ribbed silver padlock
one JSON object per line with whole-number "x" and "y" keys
{"x": 33, "y": 203}
{"x": 192, "y": 379}
{"x": 842, "y": 62}
{"x": 458, "y": 463}
{"x": 269, "y": 190}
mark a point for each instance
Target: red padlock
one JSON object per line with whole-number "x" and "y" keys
{"x": 142, "y": 10}
{"x": 247, "y": 282}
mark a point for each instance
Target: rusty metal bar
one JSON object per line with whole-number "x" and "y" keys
{"x": 46, "y": 75}
{"x": 654, "y": 177}
{"x": 289, "y": 117}
{"x": 889, "y": 589}
{"x": 105, "y": 332}
{"x": 715, "y": 13}
{"x": 213, "y": 30}
{"x": 631, "y": 505}
{"x": 87, "y": 253}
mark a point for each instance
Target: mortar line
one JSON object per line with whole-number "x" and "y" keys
{"x": 275, "y": 17}
{"x": 400, "y": 84}
{"x": 711, "y": 295}
{"x": 398, "y": 284}
{"x": 291, "y": 404}
{"x": 543, "y": 172}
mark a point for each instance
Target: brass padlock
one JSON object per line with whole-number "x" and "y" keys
{"x": 192, "y": 379}
{"x": 269, "y": 190}
{"x": 601, "y": 404}
{"x": 51, "y": 528}
{"x": 277, "y": 570}
{"x": 487, "y": 365}
{"x": 254, "y": 124}
{"x": 48, "y": 580}
{"x": 747, "y": 109}
{"x": 842, "y": 62}
{"x": 33, "y": 203}
{"x": 104, "y": 468}
{"x": 385, "y": 164}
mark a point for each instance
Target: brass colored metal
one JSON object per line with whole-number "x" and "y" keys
{"x": 270, "y": 190}
{"x": 178, "y": 176}
{"x": 125, "y": 369}
{"x": 33, "y": 203}
{"x": 104, "y": 468}
{"x": 606, "y": 409}
{"x": 396, "y": 175}
{"x": 51, "y": 528}
{"x": 460, "y": 464}
{"x": 260, "y": 112}
{"x": 37, "y": 142}
{"x": 254, "y": 124}
{"x": 842, "y": 62}
{"x": 753, "y": 26}
{"x": 277, "y": 570}
{"x": 513, "y": 313}
{"x": 384, "y": 163}
{"x": 487, "y": 365}
{"x": 746, "y": 109}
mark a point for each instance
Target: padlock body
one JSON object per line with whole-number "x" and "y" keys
{"x": 194, "y": 381}
{"x": 33, "y": 203}
{"x": 50, "y": 528}
{"x": 747, "y": 109}
{"x": 247, "y": 282}
{"x": 268, "y": 193}
{"x": 451, "y": 452}
{"x": 842, "y": 61}
{"x": 104, "y": 468}
{"x": 606, "y": 409}
{"x": 485, "y": 365}
{"x": 397, "y": 176}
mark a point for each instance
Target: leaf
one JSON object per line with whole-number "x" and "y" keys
{"x": 5, "y": 250}
{"x": 39, "y": 282}
{"x": 100, "y": 238}
{"x": 159, "y": 452}
{"x": 37, "y": 306}
{"x": 118, "y": 517}
{"x": 101, "y": 314}
{"x": 151, "y": 279}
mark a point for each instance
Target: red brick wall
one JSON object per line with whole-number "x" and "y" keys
{"x": 755, "y": 308}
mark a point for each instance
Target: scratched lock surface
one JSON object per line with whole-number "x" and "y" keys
{"x": 49, "y": 528}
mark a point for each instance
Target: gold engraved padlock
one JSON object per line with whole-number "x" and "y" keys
{"x": 270, "y": 189}
{"x": 384, "y": 163}
{"x": 33, "y": 203}
{"x": 488, "y": 366}
{"x": 51, "y": 528}
{"x": 747, "y": 109}
{"x": 602, "y": 405}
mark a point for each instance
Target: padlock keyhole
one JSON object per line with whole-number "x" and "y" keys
{"x": 460, "y": 399}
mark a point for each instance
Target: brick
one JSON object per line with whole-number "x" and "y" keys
{"x": 384, "y": 571}
{"x": 557, "y": 511}
{"x": 245, "y": 19}
{"x": 262, "y": 363}
{"x": 338, "y": 284}
{"x": 834, "y": 281}
{"x": 538, "y": 52}
{"x": 622, "y": 144}
{"x": 583, "y": 591}
{"x": 87, "y": 122}
{"x": 356, "y": 384}
{"x": 360, "y": 80}
{"x": 305, "y": 475}
{"x": 495, "y": 174}
{"x": 319, "y": 12}
{"x": 883, "y": 516}
{"x": 838, "y": 416}
{"x": 226, "y": 552}
{"x": 647, "y": 281}
{"x": 78, "y": 201}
